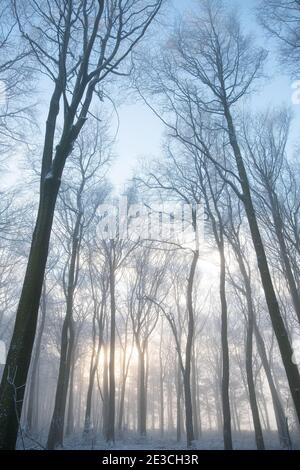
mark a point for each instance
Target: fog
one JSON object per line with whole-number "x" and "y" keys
{"x": 149, "y": 225}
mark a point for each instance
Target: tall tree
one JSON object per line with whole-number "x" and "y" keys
{"x": 78, "y": 45}
{"x": 212, "y": 65}
{"x": 79, "y": 202}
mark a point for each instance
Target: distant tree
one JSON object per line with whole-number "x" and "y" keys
{"x": 148, "y": 279}
{"x": 77, "y": 45}
{"x": 208, "y": 67}
{"x": 77, "y": 206}
{"x": 16, "y": 84}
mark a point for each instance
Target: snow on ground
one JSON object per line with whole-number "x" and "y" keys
{"x": 242, "y": 441}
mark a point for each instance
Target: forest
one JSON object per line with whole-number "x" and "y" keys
{"x": 149, "y": 279}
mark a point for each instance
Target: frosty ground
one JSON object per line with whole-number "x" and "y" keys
{"x": 210, "y": 441}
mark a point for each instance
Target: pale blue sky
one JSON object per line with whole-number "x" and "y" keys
{"x": 140, "y": 134}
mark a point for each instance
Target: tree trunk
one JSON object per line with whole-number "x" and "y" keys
{"x": 110, "y": 437}
{"x": 19, "y": 355}
{"x": 194, "y": 397}
{"x": 188, "y": 357}
{"x": 178, "y": 404}
{"x": 249, "y": 353}
{"x": 70, "y": 413}
{"x": 283, "y": 432}
{"x": 225, "y": 355}
{"x": 88, "y": 409}
{"x": 270, "y": 295}
{"x": 33, "y": 398}
{"x": 56, "y": 432}
{"x": 161, "y": 388}
{"x": 105, "y": 393}
{"x": 93, "y": 370}
{"x": 285, "y": 260}
{"x": 251, "y": 387}
{"x": 142, "y": 400}
{"x": 125, "y": 370}
{"x": 122, "y": 403}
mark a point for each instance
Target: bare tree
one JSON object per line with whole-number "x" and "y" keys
{"x": 211, "y": 66}
{"x": 16, "y": 84}
{"x": 99, "y": 291}
{"x": 281, "y": 19}
{"x": 79, "y": 203}
{"x": 77, "y": 44}
{"x": 147, "y": 281}
{"x": 233, "y": 236}
{"x": 267, "y": 165}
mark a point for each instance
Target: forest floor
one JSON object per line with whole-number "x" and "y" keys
{"x": 209, "y": 441}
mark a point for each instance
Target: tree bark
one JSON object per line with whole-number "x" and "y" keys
{"x": 161, "y": 388}
{"x": 19, "y": 354}
{"x": 285, "y": 348}
{"x": 227, "y": 435}
{"x": 105, "y": 393}
{"x": 194, "y": 397}
{"x": 110, "y": 437}
{"x": 142, "y": 400}
{"x": 285, "y": 260}
{"x": 188, "y": 357}
{"x": 282, "y": 428}
{"x": 70, "y": 413}
{"x": 249, "y": 351}
{"x": 33, "y": 398}
{"x": 56, "y": 431}
{"x": 178, "y": 404}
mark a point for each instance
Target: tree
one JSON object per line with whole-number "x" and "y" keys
{"x": 267, "y": 166}
{"x": 146, "y": 283}
{"x": 79, "y": 202}
{"x": 211, "y": 66}
{"x": 99, "y": 291}
{"x": 16, "y": 84}
{"x": 116, "y": 245}
{"x": 124, "y": 340}
{"x": 78, "y": 45}
{"x": 281, "y": 19}
{"x": 233, "y": 234}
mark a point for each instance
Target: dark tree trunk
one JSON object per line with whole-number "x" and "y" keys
{"x": 161, "y": 398}
{"x": 125, "y": 370}
{"x": 88, "y": 410}
{"x": 188, "y": 357}
{"x": 56, "y": 432}
{"x": 270, "y": 295}
{"x": 19, "y": 355}
{"x": 249, "y": 351}
{"x": 225, "y": 354}
{"x": 70, "y": 412}
{"x": 105, "y": 393}
{"x": 251, "y": 387}
{"x": 122, "y": 404}
{"x": 281, "y": 422}
{"x": 93, "y": 368}
{"x": 110, "y": 437}
{"x": 142, "y": 399}
{"x": 194, "y": 397}
{"x": 178, "y": 404}
{"x": 285, "y": 260}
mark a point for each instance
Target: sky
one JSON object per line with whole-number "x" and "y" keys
{"x": 141, "y": 132}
